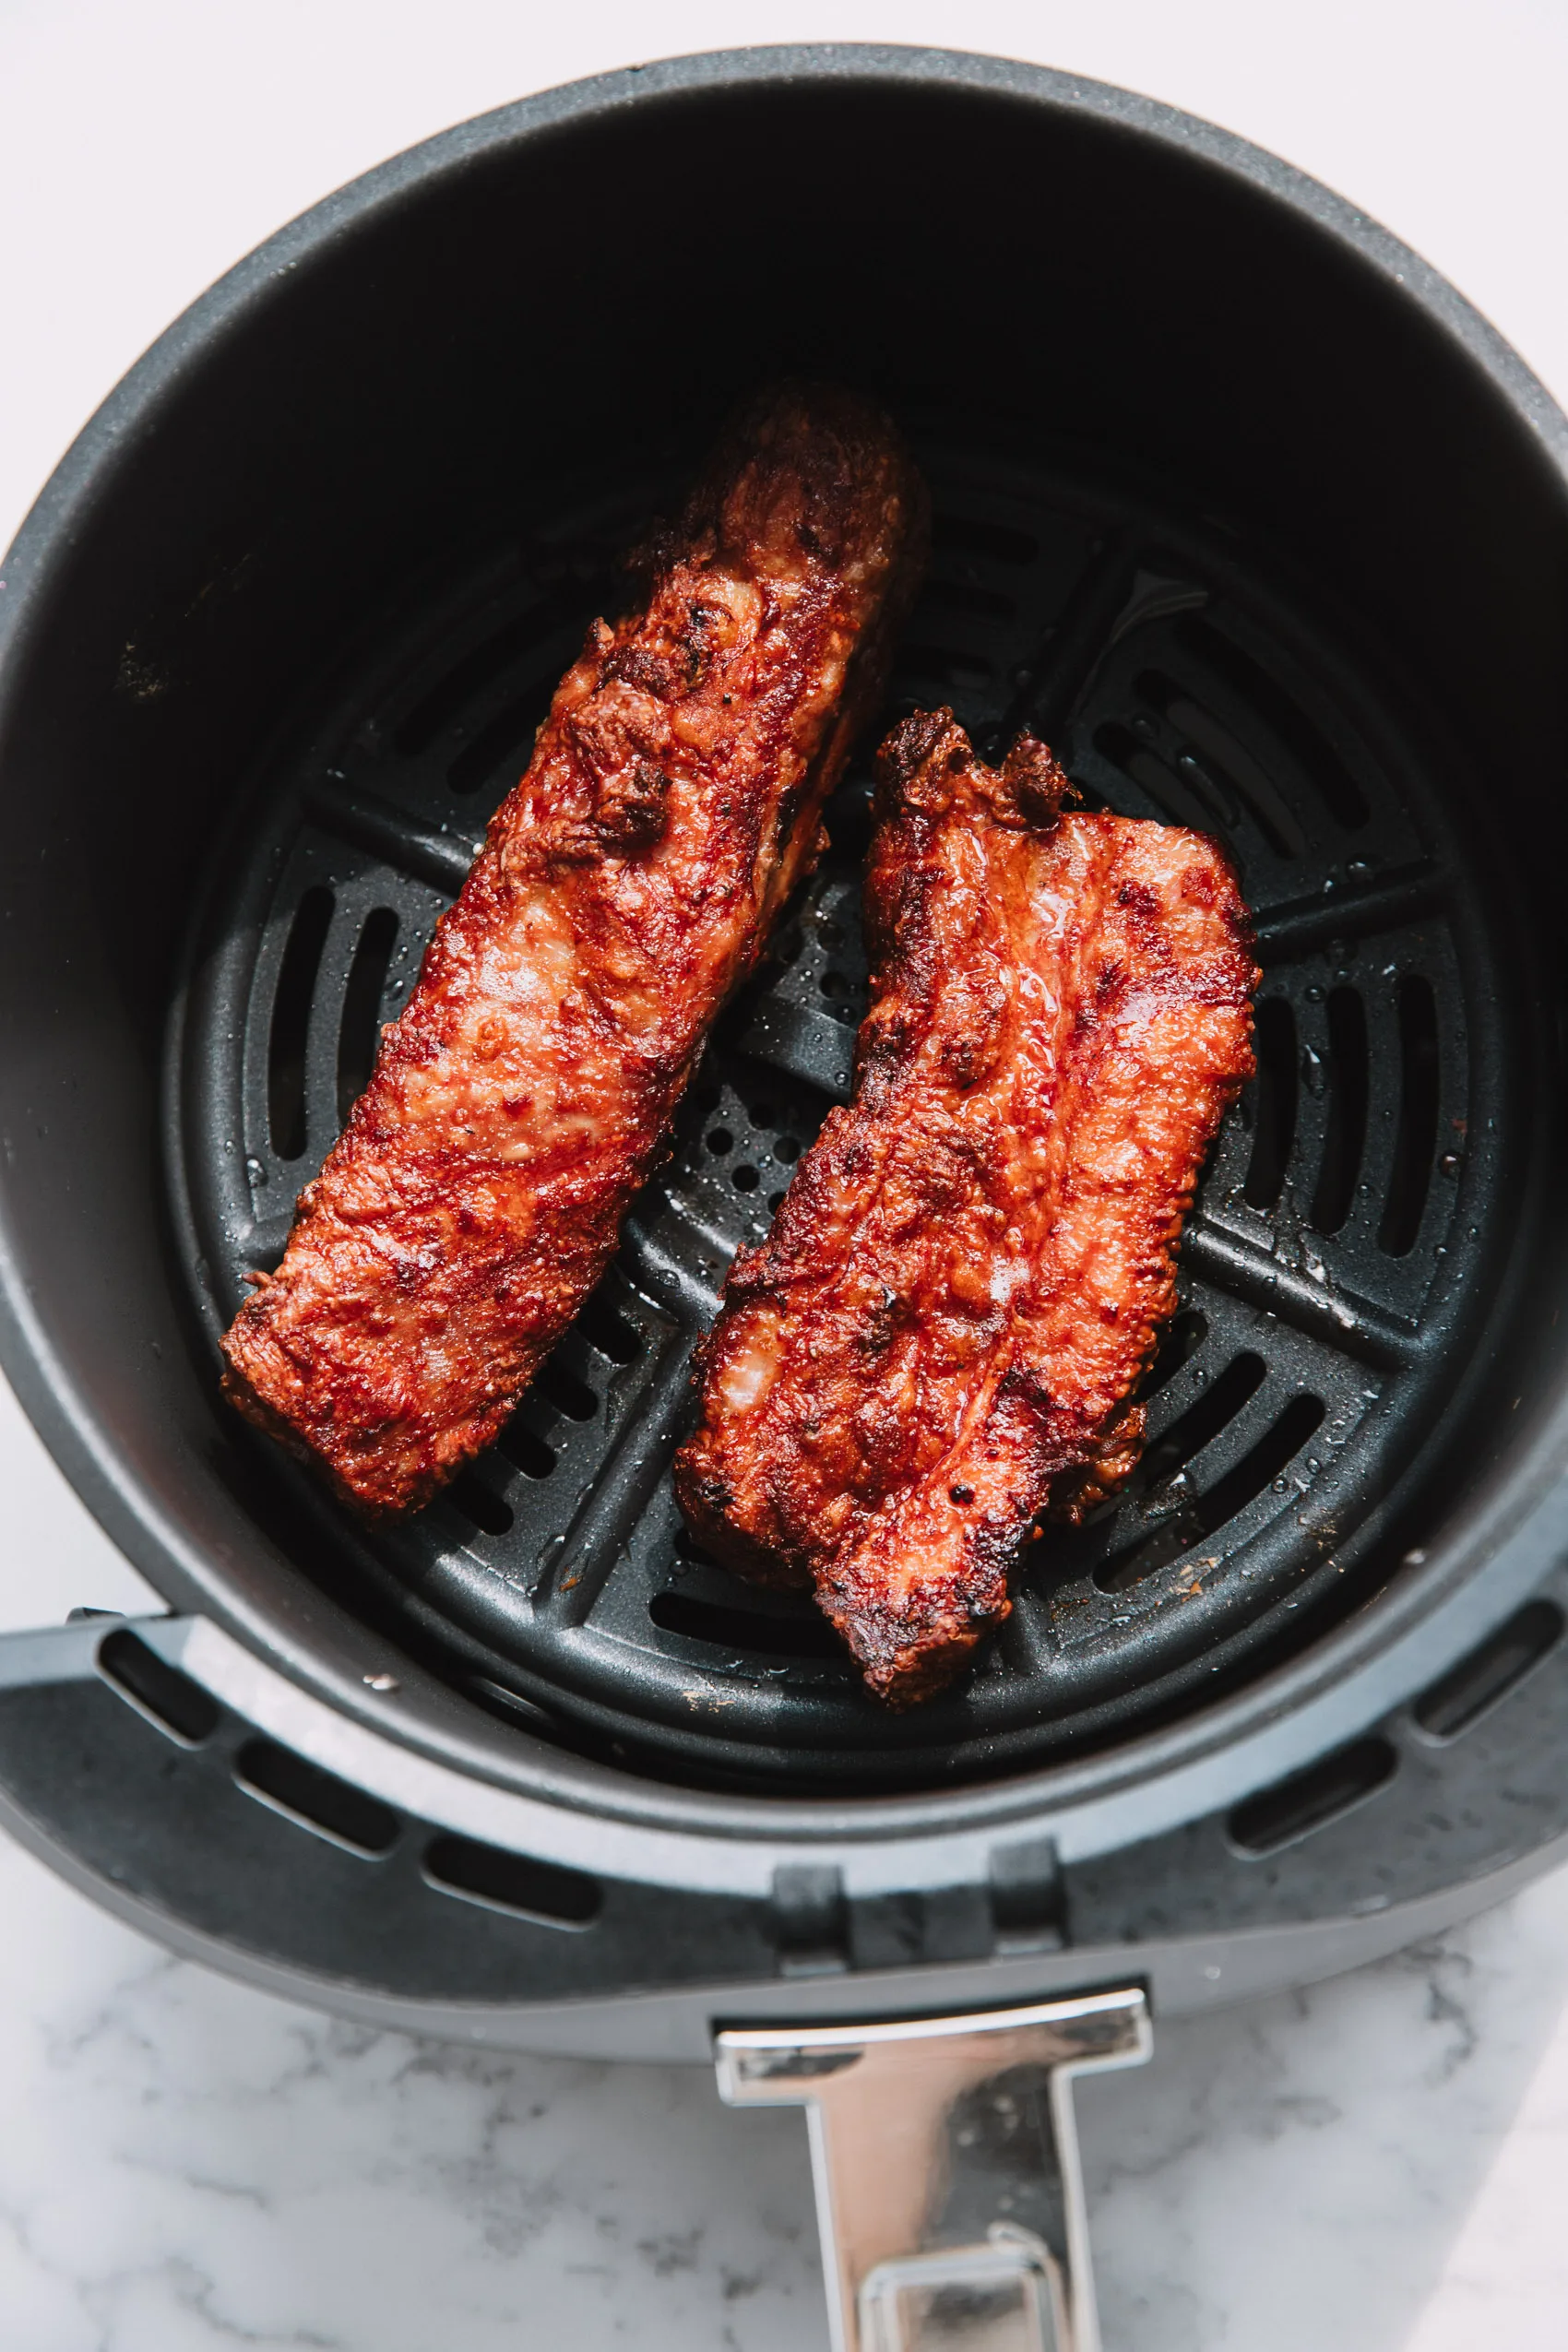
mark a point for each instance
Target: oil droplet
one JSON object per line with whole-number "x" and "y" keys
{"x": 255, "y": 1171}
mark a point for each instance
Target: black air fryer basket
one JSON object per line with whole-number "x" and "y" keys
{"x": 1241, "y": 507}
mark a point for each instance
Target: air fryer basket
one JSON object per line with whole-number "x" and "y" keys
{"x": 1348, "y": 1238}
{"x": 1245, "y": 511}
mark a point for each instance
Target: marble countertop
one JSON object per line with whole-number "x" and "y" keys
{"x": 1376, "y": 2164}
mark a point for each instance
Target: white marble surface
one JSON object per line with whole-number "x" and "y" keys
{"x": 1376, "y": 2166}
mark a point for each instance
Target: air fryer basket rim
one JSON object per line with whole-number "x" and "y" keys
{"x": 1415, "y": 1626}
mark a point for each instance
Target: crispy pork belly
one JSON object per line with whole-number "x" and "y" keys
{"x": 938, "y": 1345}
{"x": 624, "y": 888}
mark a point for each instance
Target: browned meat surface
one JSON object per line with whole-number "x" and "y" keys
{"x": 937, "y": 1344}
{"x": 629, "y": 880}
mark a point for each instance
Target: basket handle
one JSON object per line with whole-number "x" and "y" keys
{"x": 949, "y": 2189}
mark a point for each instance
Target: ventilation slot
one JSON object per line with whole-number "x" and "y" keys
{"x": 1203, "y": 1422}
{"x": 1415, "y": 1144}
{"x": 938, "y": 665}
{"x": 290, "y": 1022}
{"x": 744, "y": 1629}
{"x": 609, "y": 1333}
{"x": 1274, "y": 1099}
{"x": 561, "y": 1387}
{"x": 1184, "y": 1336}
{"x": 525, "y": 1449}
{"x": 1267, "y": 1461}
{"x": 964, "y": 596}
{"x": 1284, "y": 718}
{"x": 1206, "y": 1513}
{"x": 508, "y": 735}
{"x": 1166, "y": 1459}
{"x": 359, "y": 1031}
{"x": 968, "y": 535}
{"x": 169, "y": 1700}
{"x": 1192, "y": 801}
{"x": 481, "y": 1504}
{"x": 1233, "y": 776}
{"x": 1311, "y": 1800}
{"x": 1476, "y": 1683}
{"x": 316, "y": 1800}
{"x": 1346, "y": 1138}
{"x": 514, "y": 1882}
{"x": 480, "y": 669}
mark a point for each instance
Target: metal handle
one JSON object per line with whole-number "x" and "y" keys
{"x": 948, "y": 2190}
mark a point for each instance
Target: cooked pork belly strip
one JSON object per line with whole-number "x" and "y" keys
{"x": 938, "y": 1343}
{"x": 671, "y": 803}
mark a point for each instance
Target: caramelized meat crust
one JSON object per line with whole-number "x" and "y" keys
{"x": 625, "y": 885}
{"x": 937, "y": 1344}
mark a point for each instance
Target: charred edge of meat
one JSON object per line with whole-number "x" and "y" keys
{"x": 928, "y": 761}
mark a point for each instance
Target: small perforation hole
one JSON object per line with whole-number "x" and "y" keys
{"x": 1310, "y": 1800}
{"x": 720, "y": 1140}
{"x": 1274, "y": 1103}
{"x": 318, "y": 1801}
{"x": 834, "y": 984}
{"x": 290, "y": 1022}
{"x": 786, "y": 1149}
{"x": 744, "y": 1179}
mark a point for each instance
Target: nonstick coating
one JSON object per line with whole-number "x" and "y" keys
{"x": 1239, "y": 503}
{"x": 1337, "y": 1258}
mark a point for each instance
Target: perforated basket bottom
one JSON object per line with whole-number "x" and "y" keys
{"x": 1330, "y": 1271}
